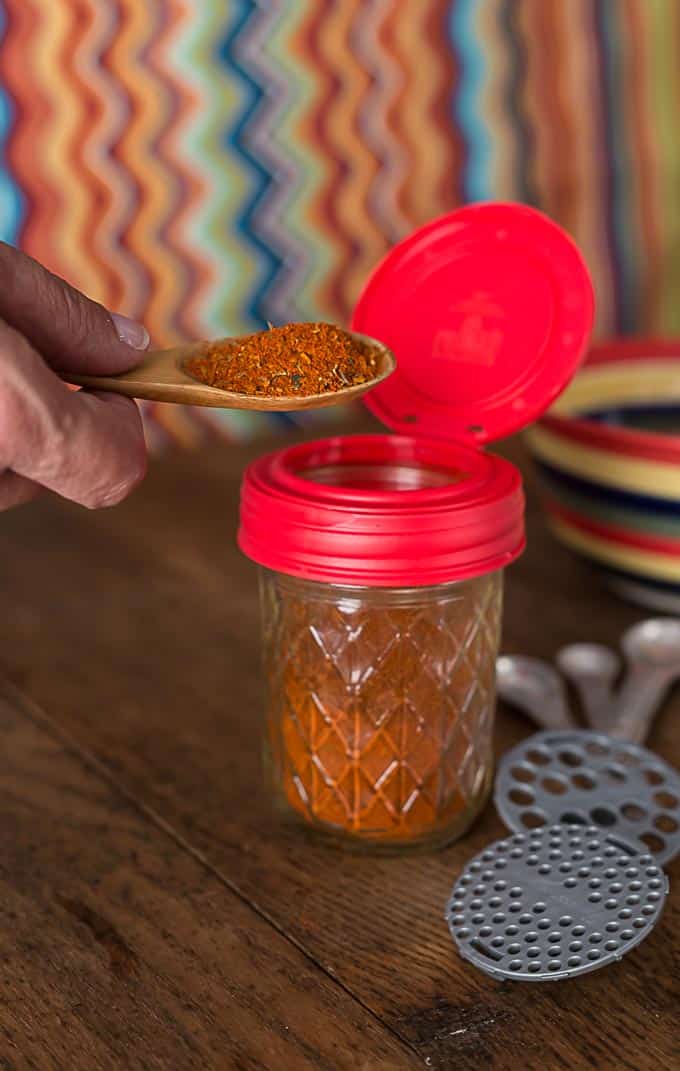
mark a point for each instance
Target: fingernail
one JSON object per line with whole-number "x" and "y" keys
{"x": 130, "y": 332}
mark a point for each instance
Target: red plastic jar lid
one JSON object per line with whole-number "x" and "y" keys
{"x": 488, "y": 311}
{"x": 382, "y": 511}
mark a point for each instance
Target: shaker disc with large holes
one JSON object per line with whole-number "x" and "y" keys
{"x": 555, "y": 902}
{"x": 578, "y": 776}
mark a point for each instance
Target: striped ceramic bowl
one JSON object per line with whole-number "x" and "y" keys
{"x": 608, "y": 456}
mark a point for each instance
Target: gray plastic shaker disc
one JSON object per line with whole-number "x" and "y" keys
{"x": 580, "y": 776}
{"x": 555, "y": 903}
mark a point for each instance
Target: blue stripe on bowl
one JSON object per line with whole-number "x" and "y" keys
{"x": 657, "y": 419}
{"x": 662, "y": 586}
{"x": 589, "y": 491}
{"x": 635, "y": 578}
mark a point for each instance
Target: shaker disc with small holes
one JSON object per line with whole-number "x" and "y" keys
{"x": 575, "y": 776}
{"x": 555, "y": 902}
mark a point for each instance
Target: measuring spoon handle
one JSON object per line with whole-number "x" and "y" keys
{"x": 591, "y": 669}
{"x": 637, "y": 703}
{"x": 596, "y": 698}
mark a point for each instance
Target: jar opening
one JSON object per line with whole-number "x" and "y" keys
{"x": 381, "y": 476}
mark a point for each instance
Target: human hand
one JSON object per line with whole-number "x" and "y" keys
{"x": 87, "y": 446}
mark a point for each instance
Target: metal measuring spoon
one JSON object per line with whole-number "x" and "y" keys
{"x": 652, "y": 649}
{"x": 592, "y": 669}
{"x": 536, "y": 688}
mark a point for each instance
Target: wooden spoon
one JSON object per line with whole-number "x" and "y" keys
{"x": 161, "y": 378}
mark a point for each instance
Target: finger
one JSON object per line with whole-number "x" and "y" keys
{"x": 15, "y": 490}
{"x": 88, "y": 447}
{"x": 69, "y": 330}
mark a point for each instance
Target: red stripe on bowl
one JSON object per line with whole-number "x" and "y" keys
{"x": 634, "y": 349}
{"x": 617, "y": 440}
{"x": 615, "y": 533}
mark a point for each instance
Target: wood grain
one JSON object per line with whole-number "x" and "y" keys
{"x": 137, "y": 629}
{"x": 120, "y": 950}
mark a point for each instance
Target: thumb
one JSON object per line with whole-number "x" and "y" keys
{"x": 72, "y": 333}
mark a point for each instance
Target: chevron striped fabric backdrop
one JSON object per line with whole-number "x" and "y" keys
{"x": 209, "y": 165}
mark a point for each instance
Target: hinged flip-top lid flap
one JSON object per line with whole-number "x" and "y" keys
{"x": 488, "y": 311}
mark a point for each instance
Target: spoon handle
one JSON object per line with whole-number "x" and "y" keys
{"x": 637, "y": 703}
{"x": 158, "y": 377}
{"x": 591, "y": 669}
{"x": 596, "y": 697}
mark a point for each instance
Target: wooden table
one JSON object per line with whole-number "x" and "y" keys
{"x": 154, "y": 915}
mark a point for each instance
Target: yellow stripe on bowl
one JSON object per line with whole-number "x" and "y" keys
{"x": 642, "y": 382}
{"x": 629, "y": 559}
{"x": 656, "y": 478}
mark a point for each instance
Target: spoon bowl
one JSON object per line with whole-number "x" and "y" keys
{"x": 656, "y": 642}
{"x": 161, "y": 377}
{"x": 535, "y": 687}
{"x": 589, "y": 661}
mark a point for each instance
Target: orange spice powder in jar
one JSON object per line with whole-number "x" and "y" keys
{"x": 380, "y": 706}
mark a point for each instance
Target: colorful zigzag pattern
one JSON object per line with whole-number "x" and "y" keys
{"x": 208, "y": 167}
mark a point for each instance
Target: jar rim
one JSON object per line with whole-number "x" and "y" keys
{"x": 379, "y": 536}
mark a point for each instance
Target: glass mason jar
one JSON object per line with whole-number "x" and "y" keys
{"x": 380, "y": 705}
{"x": 381, "y": 607}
